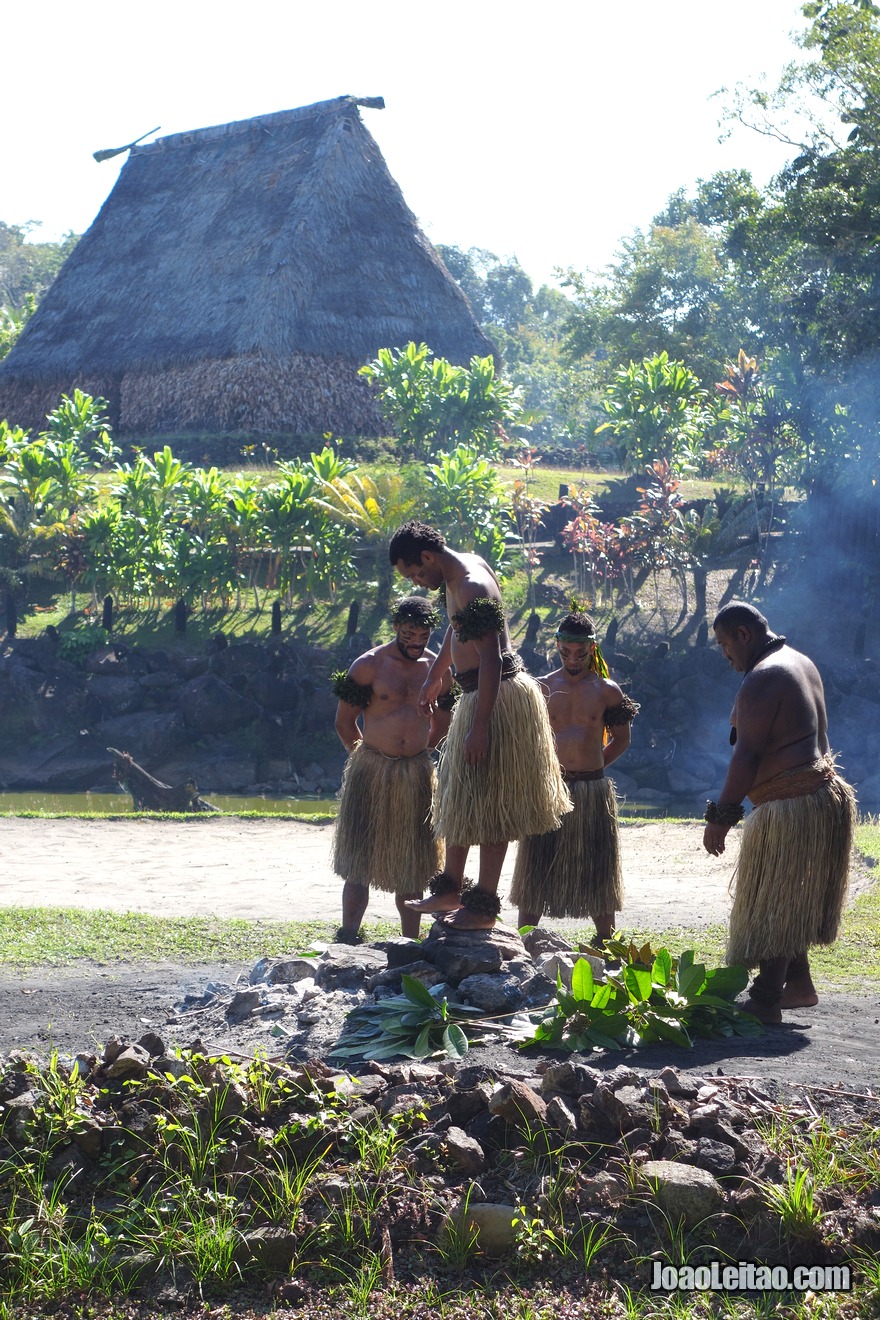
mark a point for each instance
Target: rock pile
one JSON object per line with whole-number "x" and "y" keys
{"x": 303, "y": 1002}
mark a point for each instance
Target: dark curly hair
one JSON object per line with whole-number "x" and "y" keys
{"x": 411, "y": 538}
{"x": 417, "y": 610}
{"x": 579, "y": 623}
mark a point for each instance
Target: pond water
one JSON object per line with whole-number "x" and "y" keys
{"x": 120, "y": 803}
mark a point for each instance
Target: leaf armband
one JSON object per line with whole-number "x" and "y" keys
{"x": 447, "y": 700}
{"x": 478, "y": 618}
{"x": 626, "y": 711}
{"x": 352, "y": 693}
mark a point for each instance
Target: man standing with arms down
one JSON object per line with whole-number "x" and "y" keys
{"x": 794, "y": 860}
{"x": 575, "y": 871}
{"x": 499, "y": 776}
{"x": 383, "y": 833}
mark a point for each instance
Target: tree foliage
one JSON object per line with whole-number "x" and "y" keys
{"x": 559, "y": 396}
{"x": 431, "y": 404}
{"x": 28, "y": 268}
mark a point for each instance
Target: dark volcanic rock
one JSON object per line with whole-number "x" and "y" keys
{"x": 212, "y": 706}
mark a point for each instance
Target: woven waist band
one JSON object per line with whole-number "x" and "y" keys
{"x": 511, "y": 665}
{"x": 801, "y": 781}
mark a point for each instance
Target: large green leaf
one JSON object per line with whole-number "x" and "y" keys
{"x": 727, "y": 982}
{"x": 638, "y": 983}
{"x": 691, "y": 979}
{"x": 668, "y": 1030}
{"x": 417, "y": 993}
{"x": 423, "y": 1047}
{"x": 455, "y": 1041}
{"x": 582, "y": 981}
{"x": 661, "y": 972}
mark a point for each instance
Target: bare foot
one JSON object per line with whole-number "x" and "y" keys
{"x": 466, "y": 919}
{"x": 435, "y": 903}
{"x": 798, "y": 996}
{"x": 769, "y": 1014}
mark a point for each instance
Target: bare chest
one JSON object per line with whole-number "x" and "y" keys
{"x": 575, "y": 707}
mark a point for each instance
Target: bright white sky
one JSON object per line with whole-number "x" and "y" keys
{"x": 542, "y": 131}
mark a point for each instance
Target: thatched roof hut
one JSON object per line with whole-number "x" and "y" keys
{"x": 235, "y": 279}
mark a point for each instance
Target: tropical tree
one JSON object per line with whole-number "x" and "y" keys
{"x": 600, "y": 551}
{"x": 761, "y": 440}
{"x": 657, "y": 409}
{"x": 528, "y": 513}
{"x": 13, "y": 320}
{"x": 305, "y": 547}
{"x": 465, "y": 496}
{"x": 433, "y": 405}
{"x": 673, "y": 289}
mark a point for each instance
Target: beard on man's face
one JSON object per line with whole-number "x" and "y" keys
{"x": 411, "y": 650}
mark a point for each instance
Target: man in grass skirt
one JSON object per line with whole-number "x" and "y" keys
{"x": 793, "y": 868}
{"x": 383, "y": 834}
{"x": 499, "y": 777}
{"x": 575, "y": 871}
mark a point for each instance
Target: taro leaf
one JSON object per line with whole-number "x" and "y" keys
{"x": 661, "y": 972}
{"x": 417, "y": 993}
{"x": 726, "y": 982}
{"x": 638, "y": 983}
{"x": 455, "y": 1042}
{"x": 582, "y": 981}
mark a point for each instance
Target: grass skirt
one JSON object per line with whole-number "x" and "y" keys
{"x": 574, "y": 871}
{"x": 383, "y": 834}
{"x": 518, "y": 789}
{"x": 792, "y": 875}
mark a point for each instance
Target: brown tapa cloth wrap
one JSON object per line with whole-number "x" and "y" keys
{"x": 793, "y": 869}
{"x": 574, "y": 871}
{"x": 518, "y": 789}
{"x": 383, "y": 835}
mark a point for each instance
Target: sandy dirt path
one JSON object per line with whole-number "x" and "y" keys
{"x": 278, "y": 869}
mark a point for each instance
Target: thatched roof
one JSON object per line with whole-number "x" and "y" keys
{"x": 276, "y": 236}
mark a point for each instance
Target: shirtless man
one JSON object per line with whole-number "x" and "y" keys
{"x": 575, "y": 871}
{"x": 794, "y": 861}
{"x": 499, "y": 777}
{"x": 383, "y": 832}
